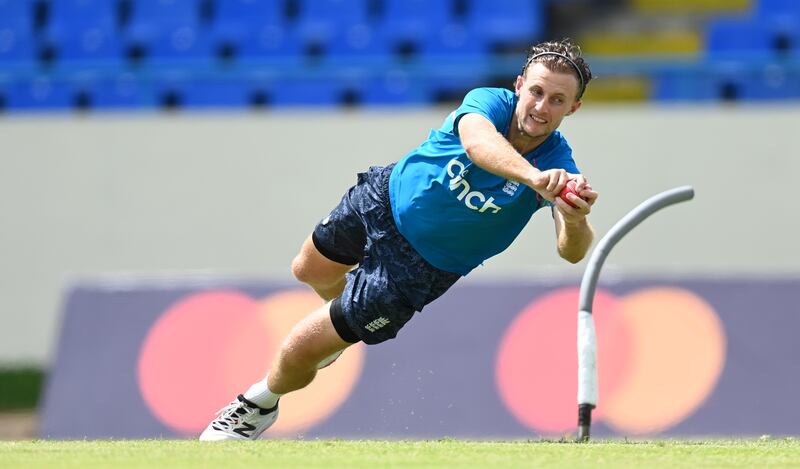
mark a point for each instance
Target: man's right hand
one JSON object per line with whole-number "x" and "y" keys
{"x": 549, "y": 183}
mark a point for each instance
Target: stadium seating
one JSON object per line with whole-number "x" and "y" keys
{"x": 16, "y": 33}
{"x": 778, "y": 8}
{"x": 771, "y": 31}
{"x": 396, "y": 87}
{"x": 192, "y": 93}
{"x": 40, "y": 93}
{"x": 122, "y": 92}
{"x": 735, "y": 37}
{"x": 81, "y": 30}
{"x": 505, "y": 24}
{"x": 247, "y": 29}
{"x": 129, "y": 54}
{"x": 306, "y": 92}
{"x": 407, "y": 23}
{"x": 167, "y": 30}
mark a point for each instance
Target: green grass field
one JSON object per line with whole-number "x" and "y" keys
{"x": 329, "y": 454}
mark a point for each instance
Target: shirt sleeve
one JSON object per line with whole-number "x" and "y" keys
{"x": 567, "y": 164}
{"x": 560, "y": 158}
{"x": 488, "y": 102}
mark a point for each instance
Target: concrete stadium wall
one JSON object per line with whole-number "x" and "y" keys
{"x": 236, "y": 194}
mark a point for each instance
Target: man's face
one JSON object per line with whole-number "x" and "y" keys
{"x": 545, "y": 97}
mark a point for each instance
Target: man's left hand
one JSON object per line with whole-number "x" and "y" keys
{"x": 583, "y": 204}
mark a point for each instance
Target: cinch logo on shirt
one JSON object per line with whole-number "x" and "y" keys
{"x": 466, "y": 195}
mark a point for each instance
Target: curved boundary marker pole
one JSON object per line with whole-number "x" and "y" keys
{"x": 587, "y": 342}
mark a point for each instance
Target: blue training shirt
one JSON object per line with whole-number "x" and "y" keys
{"x": 455, "y": 214}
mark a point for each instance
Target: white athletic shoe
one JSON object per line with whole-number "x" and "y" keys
{"x": 240, "y": 420}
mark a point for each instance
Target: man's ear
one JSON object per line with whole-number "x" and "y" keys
{"x": 575, "y": 107}
{"x": 518, "y": 84}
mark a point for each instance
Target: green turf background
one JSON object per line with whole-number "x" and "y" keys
{"x": 20, "y": 387}
{"x": 447, "y": 453}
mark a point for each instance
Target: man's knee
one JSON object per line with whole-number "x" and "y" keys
{"x": 301, "y": 269}
{"x": 312, "y": 268}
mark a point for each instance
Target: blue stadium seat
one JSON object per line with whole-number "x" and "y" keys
{"x": 82, "y": 30}
{"x": 772, "y": 8}
{"x": 305, "y": 92}
{"x": 507, "y": 22}
{"x": 319, "y": 19}
{"x": 396, "y": 87}
{"x": 683, "y": 85}
{"x": 169, "y": 92}
{"x": 411, "y": 23}
{"x": 450, "y": 89}
{"x": 407, "y": 19}
{"x": 742, "y": 39}
{"x": 355, "y": 42}
{"x": 40, "y": 93}
{"x": 17, "y": 44}
{"x": 429, "y": 32}
{"x": 272, "y": 41}
{"x": 217, "y": 93}
{"x": 455, "y": 41}
{"x": 160, "y": 13}
{"x": 770, "y": 84}
{"x": 793, "y": 35}
{"x": 123, "y": 92}
{"x": 748, "y": 85}
{"x": 237, "y": 19}
{"x": 338, "y": 29}
{"x": 730, "y": 81}
{"x": 785, "y": 34}
{"x": 168, "y": 30}
{"x": 233, "y": 92}
{"x": 252, "y": 30}
{"x": 16, "y": 11}
{"x": 5, "y": 85}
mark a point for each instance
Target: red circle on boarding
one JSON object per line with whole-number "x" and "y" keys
{"x": 185, "y": 361}
{"x": 537, "y": 359}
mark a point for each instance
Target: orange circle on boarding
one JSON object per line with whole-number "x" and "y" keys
{"x": 678, "y": 356}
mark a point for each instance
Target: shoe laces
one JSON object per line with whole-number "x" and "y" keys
{"x": 233, "y": 413}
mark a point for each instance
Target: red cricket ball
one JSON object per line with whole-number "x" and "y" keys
{"x": 569, "y": 188}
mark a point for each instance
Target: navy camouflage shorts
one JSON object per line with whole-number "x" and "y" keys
{"x": 392, "y": 281}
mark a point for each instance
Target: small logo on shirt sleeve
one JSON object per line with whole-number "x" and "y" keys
{"x": 511, "y": 187}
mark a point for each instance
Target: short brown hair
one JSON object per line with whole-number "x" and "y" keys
{"x": 564, "y": 57}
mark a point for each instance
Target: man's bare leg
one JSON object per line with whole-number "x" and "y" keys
{"x": 310, "y": 342}
{"x": 325, "y": 276}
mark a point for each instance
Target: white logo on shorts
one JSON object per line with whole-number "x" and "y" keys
{"x": 326, "y": 220}
{"x": 377, "y": 324}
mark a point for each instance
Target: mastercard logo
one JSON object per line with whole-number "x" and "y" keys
{"x": 211, "y": 346}
{"x": 660, "y": 353}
